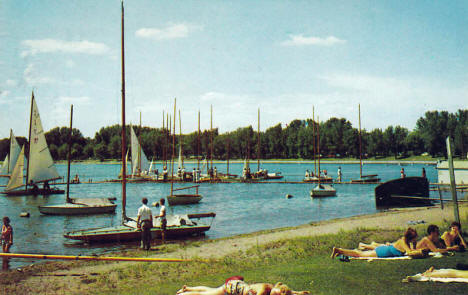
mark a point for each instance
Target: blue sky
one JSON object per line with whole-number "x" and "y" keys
{"x": 398, "y": 59}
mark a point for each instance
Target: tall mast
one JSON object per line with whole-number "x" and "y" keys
{"x": 163, "y": 148}
{"x": 180, "y": 140}
{"x": 360, "y": 143}
{"x": 166, "y": 136}
{"x": 258, "y": 143}
{"x": 318, "y": 148}
{"x": 173, "y": 149}
{"x": 124, "y": 140}
{"x": 313, "y": 135}
{"x": 29, "y": 140}
{"x": 211, "y": 137}
{"x": 69, "y": 155}
{"x": 228, "y": 155}
{"x": 139, "y": 147}
{"x": 198, "y": 142}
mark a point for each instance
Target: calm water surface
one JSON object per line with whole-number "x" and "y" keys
{"x": 240, "y": 207}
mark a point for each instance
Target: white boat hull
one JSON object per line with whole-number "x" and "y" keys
{"x": 323, "y": 190}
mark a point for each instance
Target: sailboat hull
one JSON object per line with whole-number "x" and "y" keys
{"x": 185, "y": 199}
{"x": 323, "y": 191}
{"x": 76, "y": 209}
{"x": 35, "y": 192}
{"x": 367, "y": 179}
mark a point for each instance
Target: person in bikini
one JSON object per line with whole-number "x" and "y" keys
{"x": 441, "y": 273}
{"x": 453, "y": 238}
{"x": 405, "y": 245}
{"x": 236, "y": 286}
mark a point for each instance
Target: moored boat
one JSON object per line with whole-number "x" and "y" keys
{"x": 403, "y": 192}
{"x": 323, "y": 190}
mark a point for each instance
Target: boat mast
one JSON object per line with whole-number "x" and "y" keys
{"x": 173, "y": 149}
{"x": 360, "y": 143}
{"x": 9, "y": 153}
{"x": 258, "y": 143}
{"x": 139, "y": 147}
{"x": 124, "y": 141}
{"x": 318, "y": 149}
{"x": 211, "y": 138}
{"x": 163, "y": 147}
{"x": 69, "y": 155}
{"x": 198, "y": 142}
{"x": 228, "y": 155}
{"x": 180, "y": 141}
{"x": 29, "y": 140}
{"x": 313, "y": 135}
{"x": 167, "y": 133}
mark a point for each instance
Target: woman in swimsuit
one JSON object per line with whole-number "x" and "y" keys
{"x": 237, "y": 286}
{"x": 442, "y": 273}
{"x": 405, "y": 244}
{"x": 453, "y": 238}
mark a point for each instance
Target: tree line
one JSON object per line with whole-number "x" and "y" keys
{"x": 336, "y": 136}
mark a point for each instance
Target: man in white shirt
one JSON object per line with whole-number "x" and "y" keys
{"x": 162, "y": 217}
{"x": 145, "y": 223}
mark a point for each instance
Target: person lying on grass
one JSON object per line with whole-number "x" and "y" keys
{"x": 454, "y": 237}
{"x": 404, "y": 245}
{"x": 237, "y": 286}
{"x": 441, "y": 273}
{"x": 432, "y": 241}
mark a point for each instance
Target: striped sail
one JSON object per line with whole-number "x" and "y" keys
{"x": 137, "y": 155}
{"x": 41, "y": 165}
{"x": 16, "y": 178}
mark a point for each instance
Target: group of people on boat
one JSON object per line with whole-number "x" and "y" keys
{"x": 451, "y": 240}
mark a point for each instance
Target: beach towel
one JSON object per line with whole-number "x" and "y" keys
{"x": 369, "y": 259}
{"x": 421, "y": 278}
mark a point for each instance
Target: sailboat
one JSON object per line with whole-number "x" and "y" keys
{"x": 321, "y": 190}
{"x": 11, "y": 157}
{"x": 40, "y": 167}
{"x": 140, "y": 163}
{"x": 371, "y": 178}
{"x": 180, "y": 199}
{"x": 128, "y": 231}
{"x": 263, "y": 173}
{"x": 82, "y": 205}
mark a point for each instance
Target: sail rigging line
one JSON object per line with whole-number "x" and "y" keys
{"x": 124, "y": 142}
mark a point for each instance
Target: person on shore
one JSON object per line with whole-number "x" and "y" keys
{"x": 145, "y": 223}
{"x": 405, "y": 245}
{"x": 442, "y": 273}
{"x": 453, "y": 238}
{"x": 402, "y": 173}
{"x": 423, "y": 174}
{"x": 7, "y": 235}
{"x": 432, "y": 241}
{"x": 162, "y": 218}
{"x": 236, "y": 286}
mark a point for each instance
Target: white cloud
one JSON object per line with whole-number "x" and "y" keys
{"x": 51, "y": 46}
{"x": 173, "y": 31}
{"x": 11, "y": 83}
{"x": 300, "y": 40}
{"x": 33, "y": 78}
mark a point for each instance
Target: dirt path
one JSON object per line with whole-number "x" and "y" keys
{"x": 219, "y": 248}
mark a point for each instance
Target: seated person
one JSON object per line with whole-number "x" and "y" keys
{"x": 404, "y": 245}
{"x": 237, "y": 286}
{"x": 432, "y": 241}
{"x": 454, "y": 237}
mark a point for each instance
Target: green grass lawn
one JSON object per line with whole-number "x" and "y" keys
{"x": 303, "y": 264}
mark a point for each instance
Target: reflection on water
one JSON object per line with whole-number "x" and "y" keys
{"x": 240, "y": 207}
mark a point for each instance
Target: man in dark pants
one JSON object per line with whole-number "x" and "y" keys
{"x": 145, "y": 223}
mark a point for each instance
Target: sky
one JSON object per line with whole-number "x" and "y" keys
{"x": 397, "y": 59}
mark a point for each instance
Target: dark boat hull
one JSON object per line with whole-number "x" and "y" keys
{"x": 34, "y": 192}
{"x": 403, "y": 192}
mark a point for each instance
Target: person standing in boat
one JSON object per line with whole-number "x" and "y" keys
{"x": 307, "y": 174}
{"x": 339, "y": 174}
{"x": 162, "y": 217}
{"x": 145, "y": 223}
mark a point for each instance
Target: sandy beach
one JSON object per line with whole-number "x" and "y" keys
{"x": 392, "y": 219}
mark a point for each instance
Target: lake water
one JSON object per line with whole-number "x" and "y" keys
{"x": 240, "y": 207}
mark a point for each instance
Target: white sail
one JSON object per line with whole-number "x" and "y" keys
{"x": 12, "y": 156}
{"x": 137, "y": 155}
{"x": 4, "y": 170}
{"x": 246, "y": 164}
{"x": 16, "y": 178}
{"x": 41, "y": 165}
{"x": 181, "y": 159}
{"x": 121, "y": 168}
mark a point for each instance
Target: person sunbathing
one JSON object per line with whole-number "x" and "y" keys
{"x": 432, "y": 241}
{"x": 237, "y": 286}
{"x": 404, "y": 245}
{"x": 441, "y": 273}
{"x": 454, "y": 237}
